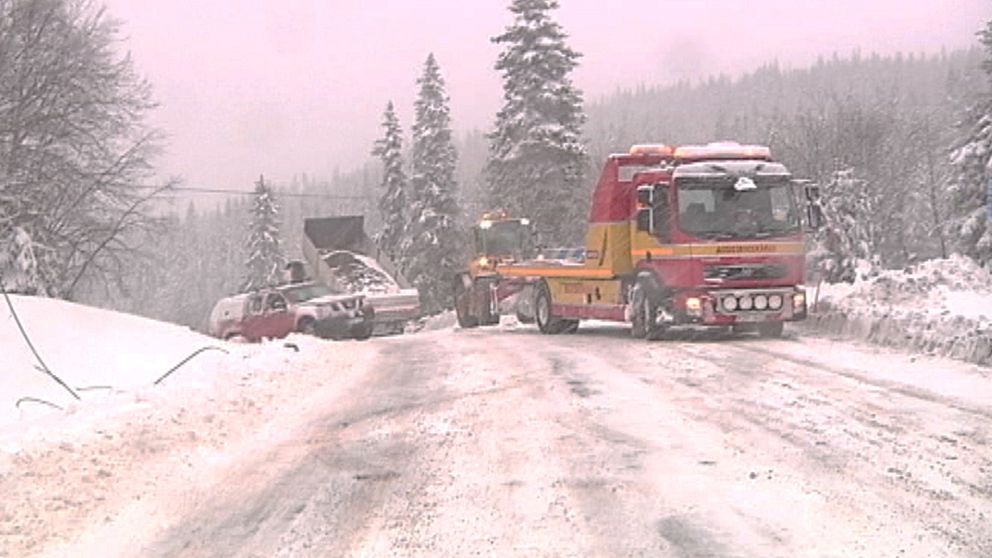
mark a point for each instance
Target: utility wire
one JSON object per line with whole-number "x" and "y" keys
{"x": 252, "y": 193}
{"x": 27, "y": 340}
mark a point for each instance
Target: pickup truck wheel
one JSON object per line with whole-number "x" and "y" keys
{"x": 772, "y": 330}
{"x": 307, "y": 326}
{"x": 546, "y": 322}
{"x": 362, "y": 332}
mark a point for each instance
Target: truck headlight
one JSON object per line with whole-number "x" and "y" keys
{"x": 693, "y": 306}
{"x": 760, "y": 302}
{"x": 746, "y": 303}
{"x": 729, "y": 303}
{"x": 775, "y": 302}
{"x": 799, "y": 300}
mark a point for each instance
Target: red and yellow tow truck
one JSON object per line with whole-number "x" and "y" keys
{"x": 708, "y": 235}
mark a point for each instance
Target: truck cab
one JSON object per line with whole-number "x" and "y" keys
{"x": 717, "y": 239}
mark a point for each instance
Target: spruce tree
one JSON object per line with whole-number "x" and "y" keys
{"x": 265, "y": 257}
{"x": 972, "y": 162}
{"x": 432, "y": 252}
{"x": 537, "y": 160}
{"x": 392, "y": 204}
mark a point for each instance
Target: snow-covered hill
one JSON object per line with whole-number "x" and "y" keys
{"x": 95, "y": 351}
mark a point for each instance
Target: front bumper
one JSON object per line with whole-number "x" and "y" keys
{"x": 708, "y": 308}
{"x": 343, "y": 327}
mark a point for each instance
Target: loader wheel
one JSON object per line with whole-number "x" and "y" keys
{"x": 463, "y": 304}
{"x": 524, "y": 319}
{"x": 546, "y": 322}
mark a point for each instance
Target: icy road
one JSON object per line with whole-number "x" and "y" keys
{"x": 510, "y": 443}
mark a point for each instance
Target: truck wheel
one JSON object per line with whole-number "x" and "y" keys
{"x": 646, "y": 301}
{"x": 570, "y": 326}
{"x": 463, "y": 304}
{"x": 638, "y": 318}
{"x": 772, "y": 330}
{"x": 546, "y": 322}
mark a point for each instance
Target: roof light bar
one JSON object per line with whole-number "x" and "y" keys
{"x": 658, "y": 149}
{"x": 723, "y": 150}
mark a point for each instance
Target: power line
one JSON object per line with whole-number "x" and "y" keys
{"x": 251, "y": 193}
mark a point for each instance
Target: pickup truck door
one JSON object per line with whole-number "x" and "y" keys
{"x": 253, "y": 323}
{"x": 278, "y": 320}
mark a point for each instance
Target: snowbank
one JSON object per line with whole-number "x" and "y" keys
{"x": 97, "y": 352}
{"x": 941, "y": 307}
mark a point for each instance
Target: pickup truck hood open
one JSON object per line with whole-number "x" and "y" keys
{"x": 330, "y": 299}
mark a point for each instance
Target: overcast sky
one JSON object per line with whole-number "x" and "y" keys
{"x": 284, "y": 87}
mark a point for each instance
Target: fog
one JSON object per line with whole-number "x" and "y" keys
{"x": 280, "y": 88}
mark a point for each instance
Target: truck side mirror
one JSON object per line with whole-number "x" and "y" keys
{"x": 645, "y": 195}
{"x": 814, "y": 212}
{"x": 644, "y": 219}
{"x": 814, "y": 217}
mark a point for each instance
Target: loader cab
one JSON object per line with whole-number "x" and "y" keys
{"x": 503, "y": 239}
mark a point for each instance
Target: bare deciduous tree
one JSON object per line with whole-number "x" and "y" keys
{"x": 74, "y": 147}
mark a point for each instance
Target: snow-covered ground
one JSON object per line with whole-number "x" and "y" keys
{"x": 941, "y": 307}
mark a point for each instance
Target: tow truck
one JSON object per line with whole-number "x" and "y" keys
{"x": 704, "y": 235}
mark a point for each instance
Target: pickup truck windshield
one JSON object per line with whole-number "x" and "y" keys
{"x": 713, "y": 208}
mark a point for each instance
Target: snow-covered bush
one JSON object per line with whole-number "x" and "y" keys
{"x": 18, "y": 264}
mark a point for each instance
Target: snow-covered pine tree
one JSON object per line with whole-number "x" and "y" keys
{"x": 265, "y": 257}
{"x": 971, "y": 160}
{"x": 848, "y": 244}
{"x": 537, "y": 160}
{"x": 431, "y": 253}
{"x": 392, "y": 203}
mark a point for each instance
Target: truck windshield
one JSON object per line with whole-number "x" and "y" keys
{"x": 503, "y": 238}
{"x": 713, "y": 208}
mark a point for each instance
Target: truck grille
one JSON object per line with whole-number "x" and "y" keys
{"x": 744, "y": 272}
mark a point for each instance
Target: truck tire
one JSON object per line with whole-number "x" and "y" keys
{"x": 463, "y": 303}
{"x": 647, "y": 298}
{"x": 546, "y": 322}
{"x": 771, "y": 330}
{"x": 638, "y": 322}
{"x": 570, "y": 326}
